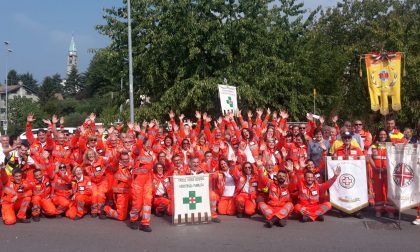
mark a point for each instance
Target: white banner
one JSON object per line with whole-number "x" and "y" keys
{"x": 349, "y": 193}
{"x": 403, "y": 175}
{"x": 228, "y": 98}
{"x": 191, "y": 199}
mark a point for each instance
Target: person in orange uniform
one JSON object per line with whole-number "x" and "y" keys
{"x": 309, "y": 190}
{"x": 279, "y": 204}
{"x": 347, "y": 150}
{"x": 82, "y": 194}
{"x": 225, "y": 185}
{"x": 41, "y": 199}
{"x": 161, "y": 191}
{"x": 95, "y": 168}
{"x": 16, "y": 195}
{"x": 142, "y": 189}
{"x": 378, "y": 163}
{"x": 61, "y": 190}
{"x": 246, "y": 190}
{"x": 394, "y": 134}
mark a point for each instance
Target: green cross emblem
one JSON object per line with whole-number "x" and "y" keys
{"x": 191, "y": 200}
{"x": 229, "y": 101}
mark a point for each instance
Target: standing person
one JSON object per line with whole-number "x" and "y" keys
{"x": 16, "y": 196}
{"x": 365, "y": 134}
{"x": 378, "y": 162}
{"x": 416, "y": 138}
{"x": 308, "y": 205}
{"x": 142, "y": 189}
{"x": 394, "y": 134}
{"x": 318, "y": 148}
{"x": 121, "y": 188}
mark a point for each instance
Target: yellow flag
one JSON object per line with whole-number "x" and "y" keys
{"x": 314, "y": 92}
{"x": 384, "y": 80}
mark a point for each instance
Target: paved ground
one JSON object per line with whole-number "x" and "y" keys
{"x": 232, "y": 234}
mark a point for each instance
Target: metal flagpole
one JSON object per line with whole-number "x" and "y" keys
{"x": 314, "y": 99}
{"x": 130, "y": 64}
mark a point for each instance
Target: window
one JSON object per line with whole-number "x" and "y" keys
{"x": 3, "y": 110}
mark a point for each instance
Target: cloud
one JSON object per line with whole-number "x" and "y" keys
{"x": 29, "y": 23}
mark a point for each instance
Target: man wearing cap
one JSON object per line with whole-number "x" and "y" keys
{"x": 347, "y": 149}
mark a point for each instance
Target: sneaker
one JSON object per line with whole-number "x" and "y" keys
{"x": 239, "y": 215}
{"x": 378, "y": 214}
{"x": 134, "y": 225}
{"x": 102, "y": 216}
{"x": 304, "y": 219}
{"x": 93, "y": 215}
{"x": 36, "y": 218}
{"x": 391, "y": 215}
{"x": 159, "y": 214}
{"x": 358, "y": 215}
{"x": 23, "y": 221}
{"x": 145, "y": 228}
{"x": 320, "y": 218}
{"x": 217, "y": 220}
{"x": 416, "y": 222}
{"x": 282, "y": 223}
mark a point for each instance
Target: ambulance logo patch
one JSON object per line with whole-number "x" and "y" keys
{"x": 403, "y": 175}
{"x": 347, "y": 180}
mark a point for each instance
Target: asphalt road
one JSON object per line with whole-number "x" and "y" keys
{"x": 335, "y": 234}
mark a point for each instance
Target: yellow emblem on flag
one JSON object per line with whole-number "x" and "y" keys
{"x": 384, "y": 80}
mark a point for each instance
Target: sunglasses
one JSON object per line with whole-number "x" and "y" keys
{"x": 302, "y": 127}
{"x": 358, "y": 124}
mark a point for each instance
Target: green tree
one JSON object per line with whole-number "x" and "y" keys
{"x": 12, "y": 77}
{"x": 74, "y": 85}
{"x": 49, "y": 88}
{"x": 19, "y": 107}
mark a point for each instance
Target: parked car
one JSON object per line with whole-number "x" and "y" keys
{"x": 70, "y": 130}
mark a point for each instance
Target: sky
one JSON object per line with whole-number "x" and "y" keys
{"x": 39, "y": 33}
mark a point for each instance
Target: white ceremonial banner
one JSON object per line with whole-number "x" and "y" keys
{"x": 191, "y": 199}
{"x": 228, "y": 98}
{"x": 403, "y": 172}
{"x": 349, "y": 193}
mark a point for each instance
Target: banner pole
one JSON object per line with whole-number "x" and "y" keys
{"x": 399, "y": 220}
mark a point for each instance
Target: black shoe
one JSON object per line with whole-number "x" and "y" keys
{"x": 239, "y": 215}
{"x": 77, "y": 218}
{"x": 23, "y": 221}
{"x": 159, "y": 214}
{"x": 59, "y": 216}
{"x": 358, "y": 215}
{"x": 102, "y": 216}
{"x": 145, "y": 228}
{"x": 217, "y": 220}
{"x": 304, "y": 219}
{"x": 282, "y": 223}
{"x": 320, "y": 218}
{"x": 36, "y": 218}
{"x": 93, "y": 215}
{"x": 268, "y": 224}
{"x": 134, "y": 225}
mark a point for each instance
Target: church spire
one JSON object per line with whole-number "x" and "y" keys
{"x": 72, "y": 56}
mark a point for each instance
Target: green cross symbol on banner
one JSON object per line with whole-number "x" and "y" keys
{"x": 229, "y": 101}
{"x": 192, "y": 200}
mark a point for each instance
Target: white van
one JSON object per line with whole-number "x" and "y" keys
{"x": 70, "y": 130}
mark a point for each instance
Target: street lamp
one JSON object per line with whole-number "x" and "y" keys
{"x": 130, "y": 64}
{"x": 8, "y": 51}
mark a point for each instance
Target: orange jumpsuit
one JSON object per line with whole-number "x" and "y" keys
{"x": 97, "y": 175}
{"x": 142, "y": 187}
{"x": 161, "y": 194}
{"x": 308, "y": 199}
{"x": 279, "y": 202}
{"x": 41, "y": 199}
{"x": 225, "y": 203}
{"x": 82, "y": 190}
{"x": 23, "y": 191}
{"x": 380, "y": 186}
{"x": 121, "y": 193}
{"x": 246, "y": 193}
{"x": 61, "y": 191}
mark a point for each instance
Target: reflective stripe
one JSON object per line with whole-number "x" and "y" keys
{"x": 377, "y": 157}
{"x": 119, "y": 189}
{"x": 140, "y": 170}
{"x": 147, "y": 208}
{"x": 10, "y": 190}
{"x": 121, "y": 176}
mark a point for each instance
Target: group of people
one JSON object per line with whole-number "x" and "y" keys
{"x": 258, "y": 165}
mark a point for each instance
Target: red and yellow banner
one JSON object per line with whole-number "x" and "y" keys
{"x": 384, "y": 80}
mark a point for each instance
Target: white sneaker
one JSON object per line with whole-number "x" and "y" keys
{"x": 416, "y": 222}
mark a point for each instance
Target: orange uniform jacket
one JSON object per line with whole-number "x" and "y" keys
{"x": 24, "y": 189}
